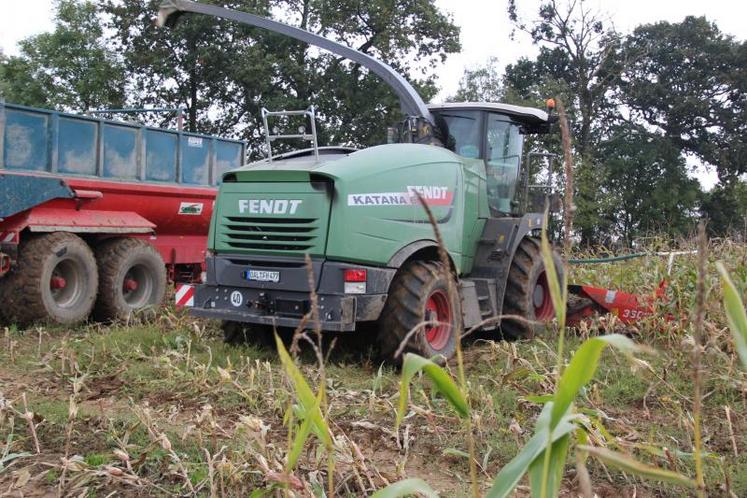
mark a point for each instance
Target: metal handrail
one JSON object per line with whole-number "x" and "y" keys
{"x": 310, "y": 112}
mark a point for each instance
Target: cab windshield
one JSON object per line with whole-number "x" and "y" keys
{"x": 494, "y": 138}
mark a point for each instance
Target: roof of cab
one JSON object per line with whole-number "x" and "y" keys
{"x": 530, "y": 114}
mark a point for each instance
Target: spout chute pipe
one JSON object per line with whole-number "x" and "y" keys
{"x": 411, "y": 102}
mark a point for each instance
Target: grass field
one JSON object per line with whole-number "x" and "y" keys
{"x": 166, "y": 408}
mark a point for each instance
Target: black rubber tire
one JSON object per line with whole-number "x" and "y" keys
{"x": 526, "y": 269}
{"x": 27, "y": 295}
{"x": 4, "y": 317}
{"x": 405, "y": 308}
{"x": 118, "y": 258}
{"x": 238, "y": 333}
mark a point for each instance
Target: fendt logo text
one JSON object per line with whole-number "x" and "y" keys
{"x": 433, "y": 196}
{"x": 269, "y": 206}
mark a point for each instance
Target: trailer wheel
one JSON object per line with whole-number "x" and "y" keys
{"x": 132, "y": 277}
{"x": 4, "y": 316}
{"x": 56, "y": 279}
{"x": 419, "y": 293}
{"x": 528, "y": 292}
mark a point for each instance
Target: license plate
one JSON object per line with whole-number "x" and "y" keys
{"x": 263, "y": 276}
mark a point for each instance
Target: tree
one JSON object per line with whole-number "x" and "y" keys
{"x": 725, "y": 208}
{"x": 575, "y": 47}
{"x": 18, "y": 85}
{"x": 481, "y": 84}
{"x": 578, "y": 60}
{"x": 224, "y": 73}
{"x": 195, "y": 65}
{"x": 70, "y": 68}
{"x": 645, "y": 186}
{"x": 687, "y": 81}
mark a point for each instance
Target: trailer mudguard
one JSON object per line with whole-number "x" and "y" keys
{"x": 50, "y": 219}
{"x": 21, "y": 192}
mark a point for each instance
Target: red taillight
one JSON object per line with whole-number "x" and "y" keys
{"x": 355, "y": 275}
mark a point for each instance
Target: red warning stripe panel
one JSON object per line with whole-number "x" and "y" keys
{"x": 185, "y": 295}
{"x": 9, "y": 238}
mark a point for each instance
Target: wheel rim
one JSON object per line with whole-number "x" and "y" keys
{"x": 437, "y": 309}
{"x": 543, "y": 308}
{"x": 137, "y": 286}
{"x": 66, "y": 284}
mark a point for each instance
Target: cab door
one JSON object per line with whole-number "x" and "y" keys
{"x": 503, "y": 147}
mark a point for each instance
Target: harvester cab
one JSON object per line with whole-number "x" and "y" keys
{"x": 356, "y": 214}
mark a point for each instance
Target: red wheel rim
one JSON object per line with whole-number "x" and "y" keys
{"x": 543, "y": 308}
{"x": 437, "y": 309}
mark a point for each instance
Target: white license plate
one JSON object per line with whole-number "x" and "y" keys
{"x": 263, "y": 276}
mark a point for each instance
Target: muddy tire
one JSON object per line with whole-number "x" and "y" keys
{"x": 132, "y": 279}
{"x": 55, "y": 280}
{"x": 419, "y": 293}
{"x": 4, "y": 318}
{"x": 527, "y": 292}
{"x": 238, "y": 333}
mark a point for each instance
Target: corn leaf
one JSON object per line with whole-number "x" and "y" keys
{"x": 298, "y": 442}
{"x": 7, "y": 459}
{"x": 557, "y": 288}
{"x": 510, "y": 475}
{"x": 441, "y": 381}
{"x": 309, "y": 402}
{"x": 735, "y": 313}
{"x": 581, "y": 370}
{"x": 539, "y": 399}
{"x": 558, "y": 455}
{"x": 632, "y": 466}
{"x": 408, "y": 487}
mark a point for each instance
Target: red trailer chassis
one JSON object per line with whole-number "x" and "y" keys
{"x": 173, "y": 218}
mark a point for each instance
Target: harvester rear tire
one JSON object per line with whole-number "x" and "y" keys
{"x": 55, "y": 280}
{"x": 132, "y": 280}
{"x": 419, "y": 293}
{"x": 527, "y": 292}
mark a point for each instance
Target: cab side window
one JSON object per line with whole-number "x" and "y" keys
{"x": 503, "y": 159}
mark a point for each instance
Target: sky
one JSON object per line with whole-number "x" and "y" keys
{"x": 485, "y": 29}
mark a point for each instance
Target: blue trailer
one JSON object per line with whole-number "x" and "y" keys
{"x": 96, "y": 214}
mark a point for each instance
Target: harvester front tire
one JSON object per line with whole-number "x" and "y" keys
{"x": 528, "y": 293}
{"x": 132, "y": 279}
{"x": 419, "y": 293}
{"x": 55, "y": 280}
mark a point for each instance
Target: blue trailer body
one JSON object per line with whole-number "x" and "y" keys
{"x": 40, "y": 140}
{"x": 20, "y": 193}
